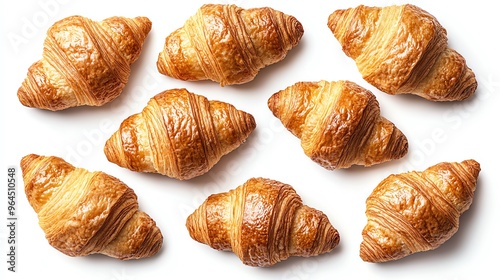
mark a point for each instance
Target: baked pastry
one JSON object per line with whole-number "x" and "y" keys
{"x": 83, "y": 212}
{"x": 417, "y": 211}
{"x": 228, "y": 44}
{"x": 178, "y": 134}
{"x": 338, "y": 124}
{"x": 263, "y": 222}
{"x": 84, "y": 62}
{"x": 403, "y": 49}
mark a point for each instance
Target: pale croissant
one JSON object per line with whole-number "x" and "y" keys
{"x": 338, "y": 123}
{"x": 84, "y": 62}
{"x": 179, "y": 134}
{"x": 417, "y": 211}
{"x": 83, "y": 212}
{"x": 263, "y": 222}
{"x": 228, "y": 44}
{"x": 403, "y": 49}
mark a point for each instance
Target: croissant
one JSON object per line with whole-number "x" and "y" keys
{"x": 84, "y": 62}
{"x": 403, "y": 49}
{"x": 84, "y": 212}
{"x": 417, "y": 211}
{"x": 178, "y": 134}
{"x": 338, "y": 123}
{"x": 228, "y": 44}
{"x": 263, "y": 222}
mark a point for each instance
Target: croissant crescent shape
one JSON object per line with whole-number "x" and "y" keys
{"x": 338, "y": 123}
{"x": 263, "y": 222}
{"x": 84, "y": 62}
{"x": 178, "y": 134}
{"x": 83, "y": 212}
{"x": 228, "y": 44}
{"x": 417, "y": 211}
{"x": 403, "y": 49}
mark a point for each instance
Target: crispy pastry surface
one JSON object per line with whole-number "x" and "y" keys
{"x": 84, "y": 62}
{"x": 263, "y": 222}
{"x": 403, "y": 49}
{"x": 83, "y": 212}
{"x": 179, "y": 134}
{"x": 228, "y": 44}
{"x": 417, "y": 211}
{"x": 338, "y": 123}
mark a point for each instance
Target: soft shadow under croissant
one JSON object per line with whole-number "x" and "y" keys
{"x": 85, "y": 213}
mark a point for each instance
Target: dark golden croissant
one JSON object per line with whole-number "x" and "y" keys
{"x": 403, "y": 49}
{"x": 84, "y": 212}
{"x": 84, "y": 62}
{"x": 338, "y": 123}
{"x": 417, "y": 211}
{"x": 228, "y": 44}
{"x": 263, "y": 222}
{"x": 178, "y": 134}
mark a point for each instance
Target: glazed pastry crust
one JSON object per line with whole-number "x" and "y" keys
{"x": 338, "y": 123}
{"x": 263, "y": 222}
{"x": 417, "y": 211}
{"x": 179, "y": 134}
{"x": 403, "y": 49}
{"x": 84, "y": 62}
{"x": 83, "y": 212}
{"x": 228, "y": 44}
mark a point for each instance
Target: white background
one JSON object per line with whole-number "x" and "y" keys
{"x": 436, "y": 131}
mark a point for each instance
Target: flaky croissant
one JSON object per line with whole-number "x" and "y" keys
{"x": 338, "y": 123}
{"x": 263, "y": 222}
{"x": 84, "y": 62}
{"x": 403, "y": 49}
{"x": 178, "y": 134}
{"x": 83, "y": 212}
{"x": 228, "y": 44}
{"x": 417, "y": 211}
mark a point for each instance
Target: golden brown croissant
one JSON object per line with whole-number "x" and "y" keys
{"x": 228, "y": 44}
{"x": 417, "y": 211}
{"x": 84, "y": 212}
{"x": 403, "y": 49}
{"x": 178, "y": 134}
{"x": 338, "y": 123}
{"x": 84, "y": 62}
{"x": 263, "y": 222}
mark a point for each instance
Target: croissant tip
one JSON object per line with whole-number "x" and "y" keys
{"x": 366, "y": 254}
{"x": 195, "y": 223}
{"x": 370, "y": 251}
{"x": 272, "y": 101}
{"x": 112, "y": 149}
{"x": 250, "y": 120}
{"x": 333, "y": 19}
{"x": 334, "y": 239}
{"x": 145, "y": 23}
{"x": 157, "y": 243}
{"x": 472, "y": 166}
{"x": 403, "y": 146}
{"x": 298, "y": 29}
{"x": 471, "y": 88}
{"x": 27, "y": 159}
